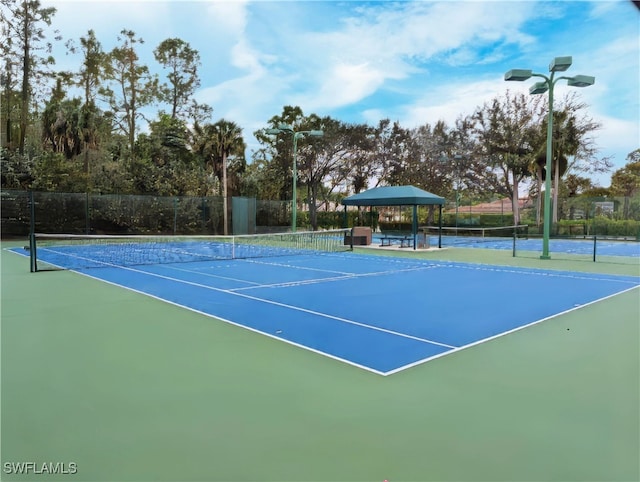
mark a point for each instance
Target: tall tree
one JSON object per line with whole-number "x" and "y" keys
{"x": 93, "y": 67}
{"x": 89, "y": 78}
{"x": 275, "y": 155}
{"x": 320, "y": 159}
{"x": 216, "y": 143}
{"x": 506, "y": 129}
{"x": 565, "y": 144}
{"x": 391, "y": 151}
{"x": 573, "y": 147}
{"x": 9, "y": 101}
{"x": 182, "y": 62}
{"x": 164, "y": 160}
{"x": 359, "y": 168}
{"x": 60, "y": 124}
{"x": 435, "y": 157}
{"x": 136, "y": 87}
{"x": 229, "y": 141}
{"x": 626, "y": 181}
{"x": 9, "y": 81}
{"x": 25, "y": 42}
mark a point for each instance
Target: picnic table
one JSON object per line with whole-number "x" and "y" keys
{"x": 405, "y": 240}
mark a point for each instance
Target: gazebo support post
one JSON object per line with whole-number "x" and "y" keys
{"x": 415, "y": 225}
{"x": 440, "y": 227}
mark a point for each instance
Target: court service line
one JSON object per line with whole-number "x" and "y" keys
{"x": 277, "y": 303}
{"x": 210, "y": 275}
{"x": 285, "y": 265}
{"x": 289, "y": 284}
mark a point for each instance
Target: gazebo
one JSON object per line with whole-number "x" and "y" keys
{"x": 399, "y": 196}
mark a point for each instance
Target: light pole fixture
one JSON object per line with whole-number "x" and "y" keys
{"x": 287, "y": 129}
{"x": 558, "y": 64}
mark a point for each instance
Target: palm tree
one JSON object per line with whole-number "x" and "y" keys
{"x": 566, "y": 142}
{"x": 216, "y": 142}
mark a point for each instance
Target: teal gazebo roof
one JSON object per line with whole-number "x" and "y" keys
{"x": 394, "y": 196}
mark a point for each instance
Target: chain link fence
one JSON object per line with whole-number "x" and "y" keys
{"x": 577, "y": 216}
{"x": 81, "y": 213}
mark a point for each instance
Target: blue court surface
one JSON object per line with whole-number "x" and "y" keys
{"x": 604, "y": 247}
{"x": 571, "y": 246}
{"x": 379, "y": 313}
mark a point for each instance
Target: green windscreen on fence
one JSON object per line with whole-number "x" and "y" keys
{"x": 244, "y": 215}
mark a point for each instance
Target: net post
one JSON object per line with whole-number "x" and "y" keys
{"x": 87, "y": 214}
{"x": 33, "y": 266}
{"x": 351, "y": 240}
{"x": 515, "y": 235}
{"x": 594, "y": 248}
{"x": 175, "y": 215}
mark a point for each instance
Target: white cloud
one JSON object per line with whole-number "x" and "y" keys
{"x": 617, "y": 135}
{"x": 228, "y": 15}
{"x": 107, "y": 18}
{"x": 346, "y": 84}
{"x": 244, "y": 57}
{"x": 388, "y": 42}
{"x": 449, "y": 101}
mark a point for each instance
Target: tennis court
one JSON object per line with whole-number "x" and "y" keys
{"x": 378, "y": 313}
{"x": 604, "y": 247}
{"x": 130, "y": 387}
{"x": 518, "y": 240}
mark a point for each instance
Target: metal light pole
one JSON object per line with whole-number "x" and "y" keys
{"x": 559, "y": 64}
{"x": 287, "y": 129}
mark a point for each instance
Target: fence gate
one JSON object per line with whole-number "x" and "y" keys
{"x": 243, "y": 215}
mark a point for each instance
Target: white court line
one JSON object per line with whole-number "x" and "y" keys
{"x": 255, "y": 285}
{"x": 508, "y": 332}
{"x": 541, "y": 272}
{"x": 335, "y": 278}
{"x": 293, "y": 266}
{"x": 270, "y": 302}
{"x": 210, "y": 275}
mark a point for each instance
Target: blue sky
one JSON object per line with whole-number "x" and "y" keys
{"x": 412, "y": 61}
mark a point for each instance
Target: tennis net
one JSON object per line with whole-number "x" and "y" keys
{"x": 64, "y": 251}
{"x": 452, "y": 235}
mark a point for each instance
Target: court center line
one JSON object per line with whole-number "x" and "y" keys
{"x": 287, "y": 284}
{"x": 298, "y": 308}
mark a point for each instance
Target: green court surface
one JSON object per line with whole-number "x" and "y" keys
{"x": 130, "y": 388}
